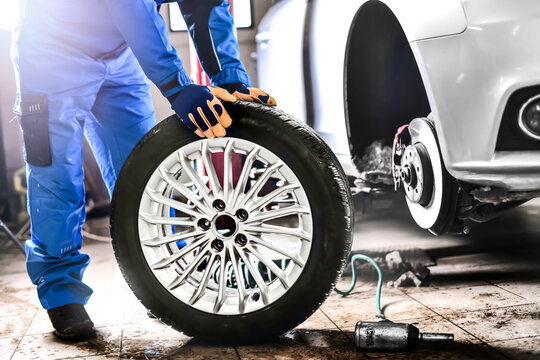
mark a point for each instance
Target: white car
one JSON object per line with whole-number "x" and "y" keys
{"x": 462, "y": 74}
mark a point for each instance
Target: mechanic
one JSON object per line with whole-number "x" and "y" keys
{"x": 80, "y": 68}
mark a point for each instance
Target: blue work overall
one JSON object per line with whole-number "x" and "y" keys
{"x": 80, "y": 67}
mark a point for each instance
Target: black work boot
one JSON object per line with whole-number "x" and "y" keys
{"x": 71, "y": 322}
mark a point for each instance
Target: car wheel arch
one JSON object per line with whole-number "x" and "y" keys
{"x": 383, "y": 86}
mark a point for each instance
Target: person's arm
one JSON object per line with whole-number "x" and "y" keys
{"x": 211, "y": 27}
{"x": 146, "y": 34}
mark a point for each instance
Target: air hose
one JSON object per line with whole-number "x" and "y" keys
{"x": 385, "y": 335}
{"x": 379, "y": 314}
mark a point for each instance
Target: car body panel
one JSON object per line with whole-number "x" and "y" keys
{"x": 469, "y": 78}
{"x": 279, "y": 55}
{"x": 424, "y": 19}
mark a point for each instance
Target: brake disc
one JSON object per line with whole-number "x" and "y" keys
{"x": 431, "y": 193}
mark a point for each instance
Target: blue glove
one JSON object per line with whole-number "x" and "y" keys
{"x": 242, "y": 92}
{"x": 200, "y": 109}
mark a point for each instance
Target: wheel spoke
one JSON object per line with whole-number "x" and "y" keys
{"x": 278, "y": 213}
{"x": 273, "y": 195}
{"x": 273, "y": 267}
{"x": 272, "y": 246}
{"x": 220, "y": 300}
{"x": 188, "y": 210}
{"x": 188, "y": 270}
{"x": 165, "y": 220}
{"x": 227, "y": 171}
{"x": 259, "y": 183}
{"x": 244, "y": 176}
{"x": 198, "y": 294}
{"x": 242, "y": 293}
{"x": 163, "y": 263}
{"x": 167, "y": 239}
{"x": 211, "y": 170}
{"x": 199, "y": 183}
{"x": 182, "y": 189}
{"x": 273, "y": 229}
{"x": 257, "y": 276}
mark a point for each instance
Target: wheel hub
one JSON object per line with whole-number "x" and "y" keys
{"x": 225, "y": 226}
{"x": 408, "y": 176}
{"x": 416, "y": 174}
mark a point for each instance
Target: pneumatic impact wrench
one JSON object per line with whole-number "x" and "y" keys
{"x": 389, "y": 336}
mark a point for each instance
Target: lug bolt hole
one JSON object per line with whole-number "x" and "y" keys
{"x": 219, "y": 205}
{"x": 242, "y": 214}
{"x": 241, "y": 240}
{"x": 204, "y": 224}
{"x": 217, "y": 245}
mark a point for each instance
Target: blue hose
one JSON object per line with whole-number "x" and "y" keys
{"x": 353, "y": 282}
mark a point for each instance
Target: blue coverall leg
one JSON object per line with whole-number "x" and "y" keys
{"x": 122, "y": 113}
{"x": 56, "y": 193}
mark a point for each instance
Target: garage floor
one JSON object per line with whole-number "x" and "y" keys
{"x": 485, "y": 289}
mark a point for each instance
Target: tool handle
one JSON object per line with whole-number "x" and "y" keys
{"x": 13, "y": 238}
{"x": 436, "y": 337}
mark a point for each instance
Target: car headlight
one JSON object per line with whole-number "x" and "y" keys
{"x": 529, "y": 117}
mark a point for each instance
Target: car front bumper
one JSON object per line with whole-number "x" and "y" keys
{"x": 469, "y": 78}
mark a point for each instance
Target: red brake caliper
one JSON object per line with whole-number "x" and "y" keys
{"x": 401, "y": 140}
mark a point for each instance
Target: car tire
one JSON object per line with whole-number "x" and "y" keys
{"x": 324, "y": 183}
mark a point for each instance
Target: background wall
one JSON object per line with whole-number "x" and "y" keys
{"x": 9, "y": 131}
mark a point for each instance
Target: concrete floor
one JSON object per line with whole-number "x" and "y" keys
{"x": 485, "y": 289}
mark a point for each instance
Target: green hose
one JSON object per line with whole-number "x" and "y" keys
{"x": 249, "y": 281}
{"x": 355, "y": 257}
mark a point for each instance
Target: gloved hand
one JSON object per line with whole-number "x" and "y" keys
{"x": 200, "y": 109}
{"x": 242, "y": 92}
